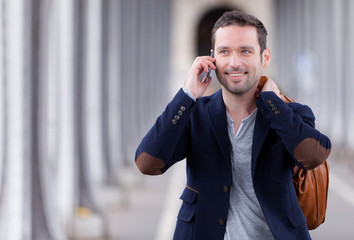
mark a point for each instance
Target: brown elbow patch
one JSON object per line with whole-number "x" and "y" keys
{"x": 149, "y": 165}
{"x": 310, "y": 153}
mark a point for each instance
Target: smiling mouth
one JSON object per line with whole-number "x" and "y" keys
{"x": 236, "y": 74}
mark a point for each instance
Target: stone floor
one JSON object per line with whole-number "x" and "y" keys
{"x": 147, "y": 209}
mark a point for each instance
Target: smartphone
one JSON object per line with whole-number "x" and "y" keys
{"x": 205, "y": 76}
{"x": 209, "y": 69}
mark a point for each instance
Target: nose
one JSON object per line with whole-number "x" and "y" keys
{"x": 235, "y": 61}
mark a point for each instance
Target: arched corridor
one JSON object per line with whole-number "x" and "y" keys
{"x": 82, "y": 81}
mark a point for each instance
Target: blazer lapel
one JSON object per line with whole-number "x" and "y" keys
{"x": 261, "y": 130}
{"x": 217, "y": 116}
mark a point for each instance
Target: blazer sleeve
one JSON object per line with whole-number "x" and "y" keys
{"x": 166, "y": 142}
{"x": 295, "y": 125}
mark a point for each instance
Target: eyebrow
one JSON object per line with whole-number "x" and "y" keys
{"x": 222, "y": 48}
{"x": 247, "y": 47}
{"x": 244, "y": 47}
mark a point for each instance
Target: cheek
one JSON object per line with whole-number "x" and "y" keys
{"x": 256, "y": 66}
{"x": 220, "y": 65}
{"x": 218, "y": 69}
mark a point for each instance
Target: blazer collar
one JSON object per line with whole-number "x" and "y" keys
{"x": 217, "y": 116}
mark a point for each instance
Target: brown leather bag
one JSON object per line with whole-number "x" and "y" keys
{"x": 311, "y": 186}
{"x": 312, "y": 191}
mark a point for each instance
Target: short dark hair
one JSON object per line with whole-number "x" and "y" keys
{"x": 236, "y": 17}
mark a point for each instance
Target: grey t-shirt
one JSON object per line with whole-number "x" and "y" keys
{"x": 245, "y": 219}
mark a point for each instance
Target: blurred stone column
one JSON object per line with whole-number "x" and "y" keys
{"x": 78, "y": 89}
{"x": 64, "y": 138}
{"x": 129, "y": 78}
{"x": 15, "y": 215}
{"x": 111, "y": 109}
{"x": 36, "y": 159}
{"x": 41, "y": 107}
{"x": 27, "y": 210}
{"x": 88, "y": 221}
{"x": 2, "y": 112}
{"x": 145, "y": 55}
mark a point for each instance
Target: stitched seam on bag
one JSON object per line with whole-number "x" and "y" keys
{"x": 317, "y": 201}
{"x": 192, "y": 189}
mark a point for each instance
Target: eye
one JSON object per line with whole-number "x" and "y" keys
{"x": 224, "y": 52}
{"x": 245, "y": 52}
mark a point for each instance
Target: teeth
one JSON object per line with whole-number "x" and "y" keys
{"x": 235, "y": 74}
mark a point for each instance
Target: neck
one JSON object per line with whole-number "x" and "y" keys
{"x": 239, "y": 106}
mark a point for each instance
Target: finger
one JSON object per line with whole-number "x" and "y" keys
{"x": 206, "y": 59}
{"x": 212, "y": 59}
{"x": 211, "y": 62}
{"x": 205, "y": 66}
{"x": 205, "y": 80}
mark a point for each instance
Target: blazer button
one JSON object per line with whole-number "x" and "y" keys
{"x": 221, "y": 222}
{"x": 277, "y": 112}
{"x": 174, "y": 121}
{"x": 180, "y": 112}
{"x": 183, "y": 108}
{"x": 177, "y": 117}
{"x": 269, "y": 101}
{"x": 226, "y": 188}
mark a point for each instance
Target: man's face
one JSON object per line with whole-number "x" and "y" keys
{"x": 238, "y": 60}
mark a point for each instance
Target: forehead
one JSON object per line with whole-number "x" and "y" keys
{"x": 235, "y": 36}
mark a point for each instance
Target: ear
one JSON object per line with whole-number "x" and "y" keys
{"x": 266, "y": 57}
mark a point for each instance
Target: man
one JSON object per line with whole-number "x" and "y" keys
{"x": 241, "y": 143}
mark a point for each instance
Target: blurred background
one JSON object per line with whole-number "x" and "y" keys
{"x": 82, "y": 81}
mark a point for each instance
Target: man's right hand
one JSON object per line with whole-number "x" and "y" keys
{"x": 192, "y": 83}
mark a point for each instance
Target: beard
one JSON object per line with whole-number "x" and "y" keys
{"x": 238, "y": 90}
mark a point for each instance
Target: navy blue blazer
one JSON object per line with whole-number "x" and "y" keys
{"x": 284, "y": 135}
